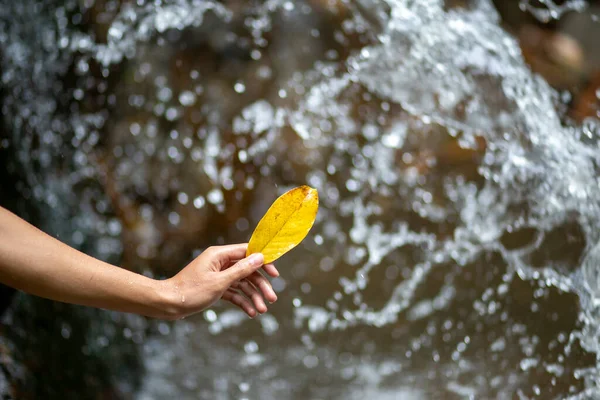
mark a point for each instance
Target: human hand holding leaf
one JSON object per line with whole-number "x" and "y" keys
{"x": 286, "y": 223}
{"x": 223, "y": 272}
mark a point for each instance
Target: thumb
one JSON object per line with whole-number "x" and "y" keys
{"x": 245, "y": 267}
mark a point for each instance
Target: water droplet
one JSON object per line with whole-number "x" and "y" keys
{"x": 244, "y": 387}
{"x": 239, "y": 87}
{"x": 174, "y": 218}
{"x": 171, "y": 114}
{"x": 187, "y": 98}
{"x": 215, "y": 196}
{"x": 199, "y": 202}
{"x": 164, "y": 94}
{"x": 251, "y": 347}
{"x": 210, "y": 316}
{"x": 255, "y": 54}
{"x": 164, "y": 328}
{"x": 182, "y": 198}
{"x": 310, "y": 361}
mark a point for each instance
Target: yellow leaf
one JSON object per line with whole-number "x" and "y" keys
{"x": 285, "y": 224}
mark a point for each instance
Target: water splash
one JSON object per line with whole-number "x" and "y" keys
{"x": 548, "y": 10}
{"x": 456, "y": 248}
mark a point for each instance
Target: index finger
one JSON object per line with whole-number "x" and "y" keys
{"x": 229, "y": 254}
{"x": 268, "y": 268}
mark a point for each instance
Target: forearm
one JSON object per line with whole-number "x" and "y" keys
{"x": 36, "y": 263}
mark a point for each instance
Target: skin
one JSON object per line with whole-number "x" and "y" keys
{"x": 36, "y": 263}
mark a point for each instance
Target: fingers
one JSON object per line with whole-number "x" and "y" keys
{"x": 250, "y": 290}
{"x": 271, "y": 270}
{"x": 240, "y": 301}
{"x": 244, "y": 268}
{"x": 264, "y": 285}
{"x": 225, "y": 255}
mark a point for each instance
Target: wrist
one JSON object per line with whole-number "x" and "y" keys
{"x": 168, "y": 304}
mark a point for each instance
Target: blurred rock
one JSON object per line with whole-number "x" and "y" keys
{"x": 556, "y": 56}
{"x": 584, "y": 28}
{"x": 587, "y": 103}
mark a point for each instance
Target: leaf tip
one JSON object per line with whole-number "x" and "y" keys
{"x": 310, "y": 192}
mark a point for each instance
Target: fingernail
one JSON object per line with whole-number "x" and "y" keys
{"x": 256, "y": 259}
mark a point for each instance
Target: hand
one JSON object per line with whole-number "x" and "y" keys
{"x": 222, "y": 272}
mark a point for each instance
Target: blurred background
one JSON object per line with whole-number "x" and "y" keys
{"x": 454, "y": 144}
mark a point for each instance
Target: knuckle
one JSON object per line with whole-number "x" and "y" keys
{"x": 243, "y": 265}
{"x": 261, "y": 280}
{"x": 237, "y": 299}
